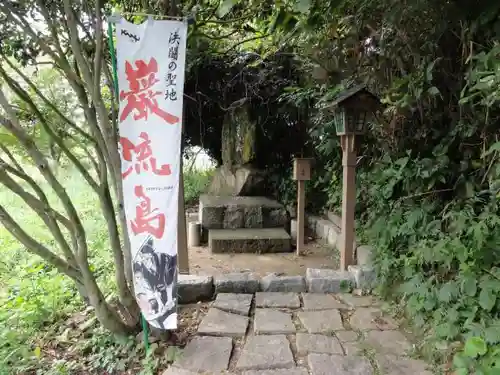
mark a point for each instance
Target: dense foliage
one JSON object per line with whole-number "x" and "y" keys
{"x": 429, "y": 176}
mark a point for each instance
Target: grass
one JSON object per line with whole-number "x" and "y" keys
{"x": 36, "y": 301}
{"x": 195, "y": 181}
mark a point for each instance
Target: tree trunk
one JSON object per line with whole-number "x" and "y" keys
{"x": 83, "y": 293}
{"x": 104, "y": 313}
{"x": 124, "y": 292}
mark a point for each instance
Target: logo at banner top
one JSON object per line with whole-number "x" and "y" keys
{"x": 141, "y": 99}
{"x": 133, "y": 37}
{"x": 146, "y": 218}
{"x": 144, "y": 157}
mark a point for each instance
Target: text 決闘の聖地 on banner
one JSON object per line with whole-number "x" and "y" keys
{"x": 150, "y": 63}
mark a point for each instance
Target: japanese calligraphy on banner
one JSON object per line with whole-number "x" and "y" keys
{"x": 151, "y": 60}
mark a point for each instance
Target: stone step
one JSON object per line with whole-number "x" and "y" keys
{"x": 264, "y": 240}
{"x": 234, "y": 212}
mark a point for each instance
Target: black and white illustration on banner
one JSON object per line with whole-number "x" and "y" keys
{"x": 155, "y": 276}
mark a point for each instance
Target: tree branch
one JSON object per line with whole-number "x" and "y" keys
{"x": 75, "y": 45}
{"x": 37, "y": 248}
{"x": 42, "y": 203}
{"x": 98, "y": 50}
{"x": 13, "y": 125}
{"x": 23, "y": 95}
{"x": 26, "y": 27}
{"x": 246, "y": 40}
{"x": 30, "y": 83}
{"x": 42, "y": 208}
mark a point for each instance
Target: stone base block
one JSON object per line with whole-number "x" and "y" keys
{"x": 274, "y": 283}
{"x": 229, "y": 212}
{"x": 194, "y": 288}
{"x": 243, "y": 282}
{"x": 364, "y": 276}
{"x": 328, "y": 281}
{"x": 268, "y": 240}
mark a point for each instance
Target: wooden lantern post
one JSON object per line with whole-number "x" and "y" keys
{"x": 351, "y": 110}
{"x": 301, "y": 173}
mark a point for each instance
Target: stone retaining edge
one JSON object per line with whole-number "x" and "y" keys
{"x": 195, "y": 288}
{"x": 329, "y": 230}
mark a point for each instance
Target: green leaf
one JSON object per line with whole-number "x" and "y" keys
{"x": 494, "y": 147}
{"x": 492, "y": 371}
{"x": 487, "y": 299}
{"x": 475, "y": 346}
{"x": 226, "y": 7}
{"x": 469, "y": 286}
{"x": 492, "y": 335}
{"x": 303, "y": 6}
{"x": 447, "y": 292}
{"x": 459, "y": 361}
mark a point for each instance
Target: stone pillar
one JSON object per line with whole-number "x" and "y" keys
{"x": 194, "y": 233}
{"x": 238, "y": 138}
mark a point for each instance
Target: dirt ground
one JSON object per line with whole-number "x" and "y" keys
{"x": 316, "y": 255}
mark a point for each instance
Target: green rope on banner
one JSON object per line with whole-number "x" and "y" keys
{"x": 115, "y": 85}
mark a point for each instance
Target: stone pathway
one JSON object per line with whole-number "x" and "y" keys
{"x": 277, "y": 333}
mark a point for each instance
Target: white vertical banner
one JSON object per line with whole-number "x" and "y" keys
{"x": 151, "y": 63}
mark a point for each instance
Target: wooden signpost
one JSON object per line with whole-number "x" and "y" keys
{"x": 301, "y": 173}
{"x": 352, "y": 112}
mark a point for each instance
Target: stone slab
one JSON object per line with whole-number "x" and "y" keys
{"x": 293, "y": 229}
{"x": 392, "y": 365}
{"x": 325, "y": 322}
{"x": 220, "y": 323}
{"x": 206, "y": 354}
{"x": 388, "y": 342}
{"x": 277, "y": 299}
{"x": 347, "y": 336}
{"x": 327, "y": 280}
{"x": 272, "y": 322}
{"x": 194, "y": 288}
{"x": 333, "y": 237}
{"x": 239, "y": 282}
{"x": 178, "y": 371}
{"x": 288, "y": 371}
{"x": 364, "y": 255}
{"x": 324, "y": 364}
{"x": 365, "y": 277}
{"x": 335, "y": 219}
{"x": 234, "y": 303}
{"x": 274, "y": 217}
{"x": 355, "y": 348}
{"x": 371, "y": 318}
{"x": 313, "y": 343}
{"x": 320, "y": 301}
{"x": 234, "y": 217}
{"x": 356, "y": 301}
{"x": 311, "y": 222}
{"x": 265, "y": 353}
{"x": 253, "y": 218}
{"x": 275, "y": 283}
{"x": 323, "y": 228}
{"x": 263, "y": 240}
{"x": 208, "y": 200}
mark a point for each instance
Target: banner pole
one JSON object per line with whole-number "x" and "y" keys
{"x": 111, "y": 45}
